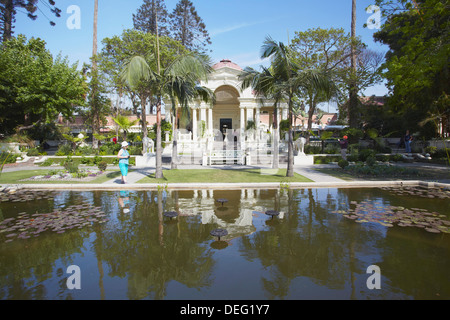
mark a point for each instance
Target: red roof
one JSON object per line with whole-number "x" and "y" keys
{"x": 226, "y": 64}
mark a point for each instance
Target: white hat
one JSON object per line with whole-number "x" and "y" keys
{"x": 124, "y": 144}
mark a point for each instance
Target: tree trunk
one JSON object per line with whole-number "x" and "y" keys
{"x": 276, "y": 139}
{"x": 353, "y": 96}
{"x": 144, "y": 121}
{"x": 96, "y": 121}
{"x": 158, "y": 171}
{"x": 174, "y": 163}
{"x": 8, "y": 18}
{"x": 290, "y": 166}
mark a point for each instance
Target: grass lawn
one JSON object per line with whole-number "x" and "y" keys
{"x": 224, "y": 176}
{"x": 427, "y": 173}
{"x": 15, "y": 177}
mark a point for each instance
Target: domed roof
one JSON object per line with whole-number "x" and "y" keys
{"x": 226, "y": 63}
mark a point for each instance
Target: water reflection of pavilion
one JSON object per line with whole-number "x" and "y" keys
{"x": 236, "y": 215}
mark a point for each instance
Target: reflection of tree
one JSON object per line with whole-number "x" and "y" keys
{"x": 301, "y": 245}
{"x": 152, "y": 251}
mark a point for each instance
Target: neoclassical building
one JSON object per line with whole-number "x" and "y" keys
{"x": 233, "y": 112}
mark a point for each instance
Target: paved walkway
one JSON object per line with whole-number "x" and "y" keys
{"x": 309, "y": 172}
{"x": 137, "y": 174}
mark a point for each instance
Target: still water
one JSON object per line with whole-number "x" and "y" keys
{"x": 128, "y": 249}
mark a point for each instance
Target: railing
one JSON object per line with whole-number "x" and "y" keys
{"x": 227, "y": 156}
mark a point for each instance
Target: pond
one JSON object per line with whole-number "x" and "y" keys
{"x": 323, "y": 244}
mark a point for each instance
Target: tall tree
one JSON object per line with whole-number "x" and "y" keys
{"x": 417, "y": 63}
{"x": 150, "y": 14}
{"x": 119, "y": 50}
{"x": 97, "y": 103}
{"x": 188, "y": 28}
{"x": 175, "y": 80}
{"x": 181, "y": 86}
{"x": 322, "y": 49}
{"x": 291, "y": 78}
{"x": 9, "y": 9}
{"x": 353, "y": 91}
{"x": 34, "y": 86}
{"x": 264, "y": 83}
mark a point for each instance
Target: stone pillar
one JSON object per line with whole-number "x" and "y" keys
{"x": 194, "y": 124}
{"x": 257, "y": 114}
{"x": 250, "y": 114}
{"x": 242, "y": 120}
{"x": 203, "y": 112}
{"x": 257, "y": 119}
{"x": 210, "y": 120}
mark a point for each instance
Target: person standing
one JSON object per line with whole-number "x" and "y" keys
{"x": 124, "y": 156}
{"x": 344, "y": 146}
{"x": 408, "y": 139}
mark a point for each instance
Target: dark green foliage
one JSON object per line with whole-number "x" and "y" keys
{"x": 102, "y": 165}
{"x": 343, "y": 163}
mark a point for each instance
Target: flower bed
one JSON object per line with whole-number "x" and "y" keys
{"x": 81, "y": 175}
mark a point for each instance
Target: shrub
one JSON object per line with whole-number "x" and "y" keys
{"x": 47, "y": 163}
{"x": 441, "y": 153}
{"x": 396, "y": 157}
{"x": 382, "y": 157}
{"x": 371, "y": 161}
{"x": 343, "y": 163}
{"x": 33, "y": 152}
{"x": 97, "y": 160}
{"x": 102, "y": 165}
{"x": 431, "y": 150}
{"x": 64, "y": 150}
{"x": 353, "y": 157}
{"x": 70, "y": 165}
{"x": 7, "y": 157}
{"x": 85, "y": 151}
{"x": 312, "y": 149}
{"x": 365, "y": 153}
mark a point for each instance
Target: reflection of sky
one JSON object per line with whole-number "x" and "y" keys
{"x": 309, "y": 253}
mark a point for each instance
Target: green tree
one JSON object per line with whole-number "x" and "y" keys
{"x": 188, "y": 28}
{"x": 416, "y": 66}
{"x": 125, "y": 124}
{"x": 145, "y": 18}
{"x": 181, "y": 86}
{"x": 35, "y": 87}
{"x": 290, "y": 78}
{"x": 119, "y": 50}
{"x": 175, "y": 80}
{"x": 265, "y": 84}
{"x": 331, "y": 50}
{"x": 9, "y": 9}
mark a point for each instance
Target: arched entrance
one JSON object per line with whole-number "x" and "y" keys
{"x": 226, "y": 116}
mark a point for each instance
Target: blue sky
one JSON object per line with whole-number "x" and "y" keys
{"x": 237, "y": 27}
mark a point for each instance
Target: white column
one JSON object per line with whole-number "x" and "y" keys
{"x": 194, "y": 124}
{"x": 203, "y": 112}
{"x": 242, "y": 120}
{"x": 210, "y": 120}
{"x": 257, "y": 113}
{"x": 250, "y": 114}
{"x": 257, "y": 117}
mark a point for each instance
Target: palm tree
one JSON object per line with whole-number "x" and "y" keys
{"x": 177, "y": 81}
{"x": 289, "y": 79}
{"x": 264, "y": 84}
{"x": 353, "y": 95}
{"x": 125, "y": 124}
{"x": 181, "y": 93}
{"x": 96, "y": 122}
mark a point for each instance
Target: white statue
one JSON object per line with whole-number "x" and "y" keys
{"x": 299, "y": 145}
{"x": 148, "y": 145}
